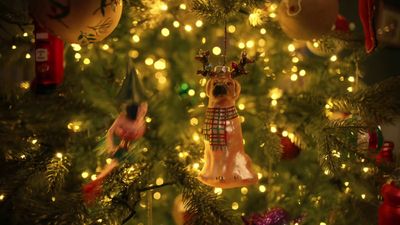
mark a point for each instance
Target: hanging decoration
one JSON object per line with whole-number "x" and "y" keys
{"x": 366, "y": 11}
{"x": 226, "y": 163}
{"x": 275, "y": 216}
{"x": 49, "y": 60}
{"x": 389, "y": 210}
{"x": 386, "y": 153}
{"x": 371, "y": 139}
{"x": 289, "y": 149}
{"x": 298, "y": 17}
{"x": 179, "y": 211}
{"x": 77, "y": 21}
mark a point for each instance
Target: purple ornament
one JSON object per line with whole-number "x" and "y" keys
{"x": 276, "y": 216}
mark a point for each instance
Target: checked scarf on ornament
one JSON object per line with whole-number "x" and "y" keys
{"x": 214, "y": 129}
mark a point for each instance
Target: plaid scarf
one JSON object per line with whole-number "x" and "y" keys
{"x": 214, "y": 129}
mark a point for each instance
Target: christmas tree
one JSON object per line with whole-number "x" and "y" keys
{"x": 307, "y": 127}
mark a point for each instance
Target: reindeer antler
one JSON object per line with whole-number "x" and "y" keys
{"x": 203, "y": 58}
{"x": 238, "y": 69}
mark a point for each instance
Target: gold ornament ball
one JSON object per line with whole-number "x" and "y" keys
{"x": 76, "y": 21}
{"x": 307, "y": 19}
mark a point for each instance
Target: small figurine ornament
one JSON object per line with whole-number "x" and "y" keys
{"x": 129, "y": 126}
{"x": 226, "y": 163}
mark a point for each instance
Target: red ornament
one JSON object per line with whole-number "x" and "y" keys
{"x": 289, "y": 149}
{"x": 49, "y": 59}
{"x": 342, "y": 24}
{"x": 386, "y": 154}
{"x": 366, "y": 11}
{"x": 389, "y": 211}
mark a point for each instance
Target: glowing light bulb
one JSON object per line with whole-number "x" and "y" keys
{"x": 218, "y": 191}
{"x": 149, "y": 61}
{"x": 294, "y": 77}
{"x": 165, "y": 32}
{"x": 231, "y": 29}
{"x": 255, "y": 17}
{"x": 191, "y": 92}
{"x": 199, "y": 23}
{"x": 135, "y": 38}
{"x": 196, "y": 166}
{"x": 76, "y": 47}
{"x": 2, "y": 196}
{"x": 241, "y": 45}
{"x": 273, "y": 129}
{"x": 13, "y": 47}
{"x": 85, "y": 174}
{"x": 157, "y": 195}
{"x": 133, "y": 54}
{"x": 295, "y": 59}
{"x": 160, "y": 64}
{"x": 163, "y": 6}
{"x": 350, "y": 89}
{"x": 250, "y": 44}
{"x": 351, "y": 79}
{"x": 105, "y": 47}
{"x": 263, "y": 31}
{"x": 203, "y": 94}
{"x": 302, "y": 73}
{"x": 86, "y": 61}
{"x": 235, "y": 206}
{"x": 183, "y": 6}
{"x": 176, "y": 24}
{"x": 262, "y": 188}
{"x": 241, "y": 106}
{"x": 159, "y": 181}
{"x": 77, "y": 56}
{"x": 274, "y": 102}
{"x": 291, "y": 48}
{"x": 59, "y": 155}
{"x": 196, "y": 137}
{"x": 28, "y": 56}
{"x": 25, "y": 85}
{"x": 333, "y": 58}
{"x": 216, "y": 50}
{"x": 188, "y": 28}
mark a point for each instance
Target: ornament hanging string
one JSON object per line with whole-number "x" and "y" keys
{"x": 225, "y": 42}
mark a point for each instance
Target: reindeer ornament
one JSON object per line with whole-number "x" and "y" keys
{"x": 226, "y": 163}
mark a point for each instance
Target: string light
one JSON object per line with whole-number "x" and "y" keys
{"x": 77, "y": 56}
{"x": 241, "y": 106}
{"x": 291, "y": 48}
{"x": 148, "y": 119}
{"x": 183, "y": 6}
{"x": 365, "y": 169}
{"x": 273, "y": 129}
{"x": 285, "y": 133}
{"x": 363, "y": 196}
{"x": 262, "y": 188}
{"x": 76, "y": 47}
{"x": 25, "y": 34}
{"x": 23, "y": 156}
{"x": 86, "y": 61}
{"x": 105, "y": 47}
{"x": 203, "y": 40}
{"x": 203, "y": 94}
{"x": 275, "y": 93}
{"x": 157, "y": 195}
{"x": 34, "y": 141}
{"x": 149, "y": 61}
{"x": 263, "y": 31}
{"x": 28, "y": 56}
{"x": 322, "y": 223}
{"x": 255, "y": 17}
{"x": 295, "y": 59}
{"x": 176, "y": 24}
{"x": 75, "y": 126}
{"x": 160, "y": 64}
{"x": 346, "y": 183}
{"x": 241, "y": 45}
{"x": 196, "y": 137}
{"x": 13, "y": 47}
{"x": 163, "y": 6}
{"x": 235, "y": 206}
{"x": 294, "y": 77}
{"x": 191, "y": 92}
{"x": 351, "y": 79}
{"x": 250, "y": 44}
{"x": 188, "y": 28}
{"x": 333, "y": 58}
{"x": 244, "y": 190}
{"x": 302, "y": 73}
{"x": 133, "y": 54}
{"x": 196, "y": 166}
{"x": 274, "y": 102}
{"x": 165, "y": 32}
{"x": 53, "y": 199}
{"x": 272, "y": 15}
{"x": 135, "y": 38}
{"x": 59, "y": 155}
{"x": 231, "y": 29}
{"x": 85, "y": 174}
{"x": 2, "y": 196}
{"x": 218, "y": 191}
{"x": 216, "y": 50}
{"x": 108, "y": 160}
{"x": 93, "y": 177}
{"x": 25, "y": 85}
{"x": 259, "y": 175}
{"x": 159, "y": 181}
{"x": 350, "y": 89}
{"x": 199, "y": 23}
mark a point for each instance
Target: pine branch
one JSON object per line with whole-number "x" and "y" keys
{"x": 56, "y": 171}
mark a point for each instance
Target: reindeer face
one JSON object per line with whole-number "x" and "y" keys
{"x": 222, "y": 87}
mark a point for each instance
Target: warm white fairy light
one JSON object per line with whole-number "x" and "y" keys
{"x": 350, "y": 89}
{"x": 216, "y": 50}
{"x": 218, "y": 191}
{"x": 322, "y": 223}
{"x": 346, "y": 183}
{"x": 203, "y": 40}
{"x": 27, "y": 56}
{"x": 160, "y": 64}
{"x": 285, "y": 133}
{"x": 291, "y": 48}
{"x": 263, "y": 31}
{"x": 191, "y": 92}
{"x": 273, "y": 129}
{"x": 86, "y": 61}
{"x": 163, "y": 6}
{"x": 148, "y": 119}
{"x": 84, "y": 174}
{"x": 351, "y": 79}
{"x": 165, "y": 32}
{"x": 333, "y": 58}
{"x": 199, "y": 23}
{"x": 176, "y": 24}
{"x": 135, "y": 38}
{"x": 13, "y": 47}
{"x": 157, "y": 195}
{"x": 295, "y": 60}
{"x": 76, "y": 47}
{"x": 196, "y": 166}
{"x": 159, "y": 181}
{"x": 262, "y": 188}
{"x": 365, "y": 169}
{"x": 203, "y": 94}
{"x": 302, "y": 73}
{"x": 194, "y": 121}
{"x": 149, "y": 61}
{"x": 75, "y": 126}
{"x": 23, "y": 156}
{"x": 188, "y": 28}
{"x": 77, "y": 56}
{"x": 183, "y": 6}
{"x": 363, "y": 196}
{"x": 93, "y": 177}
{"x": 25, "y": 34}
{"x": 244, "y": 190}
{"x": 34, "y": 141}
{"x": 255, "y": 17}
{"x": 235, "y": 206}
{"x": 294, "y": 77}
{"x": 25, "y": 85}
{"x": 274, "y": 102}
{"x": 259, "y": 175}
{"x": 105, "y": 47}
{"x": 231, "y": 29}
{"x": 250, "y": 44}
{"x": 196, "y": 137}
{"x": 59, "y": 155}
{"x": 2, "y": 196}
{"x": 241, "y": 45}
